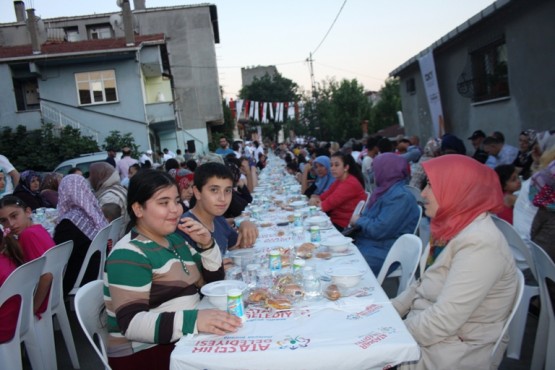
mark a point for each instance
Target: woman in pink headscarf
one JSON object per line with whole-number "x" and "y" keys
{"x": 458, "y": 307}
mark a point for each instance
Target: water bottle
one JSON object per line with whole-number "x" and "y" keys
{"x": 311, "y": 283}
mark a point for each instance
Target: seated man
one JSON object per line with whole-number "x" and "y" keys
{"x": 213, "y": 186}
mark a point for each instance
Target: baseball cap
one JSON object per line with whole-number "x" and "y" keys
{"x": 476, "y": 134}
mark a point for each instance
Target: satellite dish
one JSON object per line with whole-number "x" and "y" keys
{"x": 119, "y": 3}
{"x": 41, "y": 30}
{"x": 116, "y": 21}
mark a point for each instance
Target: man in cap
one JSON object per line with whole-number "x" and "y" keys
{"x": 477, "y": 139}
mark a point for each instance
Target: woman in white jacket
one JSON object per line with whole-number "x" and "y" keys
{"x": 457, "y": 309}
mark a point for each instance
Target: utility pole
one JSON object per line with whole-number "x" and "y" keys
{"x": 311, "y": 67}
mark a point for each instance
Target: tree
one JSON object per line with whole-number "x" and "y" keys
{"x": 116, "y": 140}
{"x": 384, "y": 112}
{"x": 336, "y": 110}
{"x": 274, "y": 88}
{"x": 44, "y": 148}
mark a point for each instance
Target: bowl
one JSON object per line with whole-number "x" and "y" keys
{"x": 347, "y": 277}
{"x": 298, "y": 204}
{"x": 317, "y": 221}
{"x": 241, "y": 257}
{"x": 337, "y": 244}
{"x": 216, "y": 292}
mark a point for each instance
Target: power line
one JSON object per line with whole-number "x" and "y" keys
{"x": 346, "y": 70}
{"x": 329, "y": 30}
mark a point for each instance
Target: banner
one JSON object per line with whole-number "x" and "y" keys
{"x": 428, "y": 70}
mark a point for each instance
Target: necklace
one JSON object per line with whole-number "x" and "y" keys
{"x": 174, "y": 250}
{"x": 171, "y": 248}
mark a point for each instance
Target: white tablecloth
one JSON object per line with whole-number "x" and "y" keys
{"x": 351, "y": 333}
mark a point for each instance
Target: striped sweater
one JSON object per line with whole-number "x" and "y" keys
{"x": 149, "y": 297}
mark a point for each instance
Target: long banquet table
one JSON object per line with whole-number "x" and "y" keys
{"x": 362, "y": 331}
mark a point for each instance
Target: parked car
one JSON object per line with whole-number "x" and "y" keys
{"x": 83, "y": 162}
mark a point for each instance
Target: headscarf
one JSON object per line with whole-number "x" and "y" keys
{"x": 102, "y": 175}
{"x": 183, "y": 177}
{"x": 542, "y": 187}
{"x": 27, "y": 177}
{"x": 464, "y": 188}
{"x": 323, "y": 183}
{"x": 432, "y": 147}
{"x": 78, "y": 204}
{"x": 389, "y": 169}
{"x": 51, "y": 181}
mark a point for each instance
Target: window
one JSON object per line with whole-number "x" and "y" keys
{"x": 26, "y": 93}
{"x": 99, "y": 31}
{"x": 490, "y": 77}
{"x": 72, "y": 34}
{"x": 96, "y": 87}
{"x": 411, "y": 86}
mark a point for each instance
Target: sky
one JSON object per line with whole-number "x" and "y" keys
{"x": 369, "y": 39}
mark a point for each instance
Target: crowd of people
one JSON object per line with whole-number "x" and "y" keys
{"x": 179, "y": 221}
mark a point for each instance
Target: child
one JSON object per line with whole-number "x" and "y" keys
{"x": 510, "y": 183}
{"x": 33, "y": 241}
{"x": 213, "y": 187}
{"x": 111, "y": 211}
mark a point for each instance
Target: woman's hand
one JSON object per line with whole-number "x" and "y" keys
{"x": 217, "y": 322}
{"x": 248, "y": 232}
{"x": 196, "y": 231}
{"x": 314, "y": 201}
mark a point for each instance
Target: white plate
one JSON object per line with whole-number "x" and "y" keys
{"x": 317, "y": 220}
{"x": 337, "y": 244}
{"x": 346, "y": 276}
{"x": 298, "y": 203}
{"x": 220, "y": 288}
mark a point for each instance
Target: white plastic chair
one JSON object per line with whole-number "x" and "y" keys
{"x": 419, "y": 220}
{"x": 23, "y": 282}
{"x": 406, "y": 250}
{"x": 98, "y": 244}
{"x": 358, "y": 210}
{"x": 56, "y": 261}
{"x": 544, "y": 353}
{"x": 115, "y": 231}
{"x": 89, "y": 302}
{"x": 415, "y": 192}
{"x": 516, "y": 303}
{"x": 523, "y": 258}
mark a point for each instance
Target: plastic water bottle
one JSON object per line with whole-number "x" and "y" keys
{"x": 311, "y": 283}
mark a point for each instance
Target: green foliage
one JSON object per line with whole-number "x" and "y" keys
{"x": 43, "y": 149}
{"x": 336, "y": 110}
{"x": 384, "y": 112}
{"x": 116, "y": 140}
{"x": 274, "y": 88}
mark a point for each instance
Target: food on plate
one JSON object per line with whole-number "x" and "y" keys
{"x": 292, "y": 290}
{"x": 305, "y": 250}
{"x": 291, "y": 218}
{"x": 323, "y": 255}
{"x": 258, "y": 295}
{"x": 280, "y": 233}
{"x": 289, "y": 209}
{"x": 279, "y": 303}
{"x": 332, "y": 292}
{"x": 266, "y": 224}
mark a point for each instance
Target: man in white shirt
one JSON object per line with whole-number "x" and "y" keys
{"x": 125, "y": 162}
{"x": 12, "y": 178}
{"x": 499, "y": 152}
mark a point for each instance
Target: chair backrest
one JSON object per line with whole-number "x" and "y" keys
{"x": 419, "y": 220}
{"x": 521, "y": 252}
{"x": 358, "y": 210}
{"x": 89, "y": 304}
{"x": 57, "y": 258}
{"x": 23, "y": 282}
{"x": 545, "y": 268}
{"x": 99, "y": 243}
{"x": 115, "y": 231}
{"x": 518, "y": 298}
{"x": 415, "y": 192}
{"x": 406, "y": 250}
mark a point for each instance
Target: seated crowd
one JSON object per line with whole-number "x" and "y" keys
{"x": 179, "y": 222}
